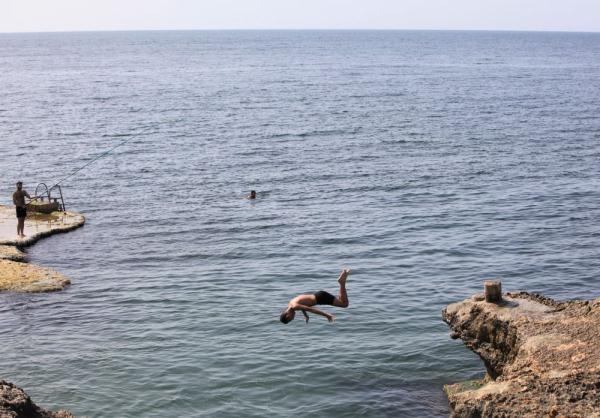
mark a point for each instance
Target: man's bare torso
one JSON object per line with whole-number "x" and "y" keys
{"x": 19, "y": 198}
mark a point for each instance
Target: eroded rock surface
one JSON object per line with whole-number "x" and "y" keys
{"x": 37, "y": 225}
{"x": 542, "y": 357}
{"x": 15, "y": 403}
{"x": 23, "y": 277}
{"x": 8, "y": 252}
{"x": 15, "y": 274}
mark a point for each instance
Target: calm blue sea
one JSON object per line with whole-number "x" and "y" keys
{"x": 425, "y": 161}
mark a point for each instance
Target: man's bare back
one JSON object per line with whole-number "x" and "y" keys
{"x": 308, "y": 299}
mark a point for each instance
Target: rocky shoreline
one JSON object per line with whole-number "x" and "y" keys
{"x": 542, "y": 357}
{"x": 15, "y": 403}
{"x": 16, "y": 275}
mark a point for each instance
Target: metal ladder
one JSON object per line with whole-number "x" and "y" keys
{"x": 42, "y": 191}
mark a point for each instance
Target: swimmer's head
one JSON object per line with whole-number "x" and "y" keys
{"x": 252, "y": 194}
{"x": 287, "y": 316}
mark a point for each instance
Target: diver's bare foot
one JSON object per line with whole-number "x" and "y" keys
{"x": 343, "y": 276}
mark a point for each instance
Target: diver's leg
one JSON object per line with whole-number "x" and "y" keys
{"x": 341, "y": 300}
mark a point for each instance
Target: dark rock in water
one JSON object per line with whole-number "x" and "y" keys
{"x": 542, "y": 357}
{"x": 15, "y": 403}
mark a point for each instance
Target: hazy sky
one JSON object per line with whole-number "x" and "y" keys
{"x": 71, "y": 15}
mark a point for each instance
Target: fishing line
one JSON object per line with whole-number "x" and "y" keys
{"x": 104, "y": 154}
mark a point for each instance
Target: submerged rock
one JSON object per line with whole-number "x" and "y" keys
{"x": 542, "y": 357}
{"x": 15, "y": 403}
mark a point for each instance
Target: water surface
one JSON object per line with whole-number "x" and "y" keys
{"x": 425, "y": 161}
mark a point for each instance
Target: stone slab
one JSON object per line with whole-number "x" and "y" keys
{"x": 37, "y": 225}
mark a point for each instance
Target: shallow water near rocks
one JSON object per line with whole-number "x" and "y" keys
{"x": 425, "y": 161}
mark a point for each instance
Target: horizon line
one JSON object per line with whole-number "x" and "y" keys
{"x": 300, "y": 30}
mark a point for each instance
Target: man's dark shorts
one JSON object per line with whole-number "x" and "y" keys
{"x": 324, "y": 298}
{"x": 21, "y": 212}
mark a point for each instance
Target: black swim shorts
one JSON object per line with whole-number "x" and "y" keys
{"x": 21, "y": 212}
{"x": 324, "y": 298}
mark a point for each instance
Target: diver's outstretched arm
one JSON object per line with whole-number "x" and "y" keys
{"x": 299, "y": 307}
{"x": 305, "y": 316}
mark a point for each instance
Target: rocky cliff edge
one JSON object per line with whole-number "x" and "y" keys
{"x": 542, "y": 357}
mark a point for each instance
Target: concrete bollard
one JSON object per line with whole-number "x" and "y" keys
{"x": 492, "y": 291}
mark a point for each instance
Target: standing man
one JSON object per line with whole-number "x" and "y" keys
{"x": 19, "y": 201}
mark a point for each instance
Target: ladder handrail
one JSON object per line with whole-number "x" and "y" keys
{"x": 62, "y": 201}
{"x": 47, "y": 193}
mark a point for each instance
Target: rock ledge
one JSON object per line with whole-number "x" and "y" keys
{"x": 15, "y": 274}
{"x": 15, "y": 403}
{"x": 542, "y": 357}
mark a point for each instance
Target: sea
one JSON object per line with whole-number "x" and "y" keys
{"x": 425, "y": 161}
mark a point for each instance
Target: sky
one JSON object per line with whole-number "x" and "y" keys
{"x": 85, "y": 15}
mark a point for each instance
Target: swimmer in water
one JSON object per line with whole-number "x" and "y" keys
{"x": 252, "y": 194}
{"x": 306, "y": 302}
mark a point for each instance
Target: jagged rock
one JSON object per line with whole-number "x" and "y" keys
{"x": 542, "y": 357}
{"x": 15, "y": 403}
